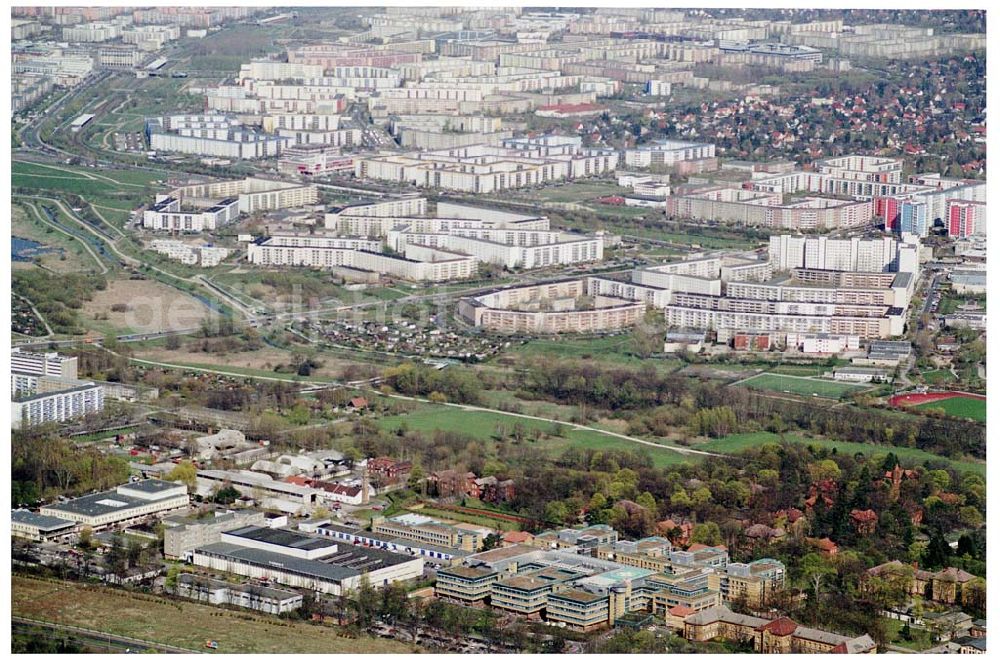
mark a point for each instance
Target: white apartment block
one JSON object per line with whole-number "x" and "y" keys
{"x": 119, "y": 57}
{"x": 211, "y": 136}
{"x": 874, "y": 255}
{"x": 92, "y": 32}
{"x": 169, "y": 214}
{"x": 300, "y": 121}
{"x": 764, "y": 208}
{"x": 50, "y": 364}
{"x": 338, "y": 138}
{"x": 56, "y": 406}
{"x": 520, "y": 310}
{"x": 209, "y": 206}
{"x": 566, "y": 250}
{"x": 703, "y": 316}
{"x": 396, "y": 207}
{"x": 419, "y": 263}
{"x": 667, "y": 152}
{"x": 205, "y": 255}
{"x": 822, "y": 344}
{"x": 483, "y": 169}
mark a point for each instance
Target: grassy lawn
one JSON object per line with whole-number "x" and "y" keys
{"x": 492, "y": 523}
{"x": 823, "y": 388}
{"x": 179, "y": 623}
{"x": 235, "y": 369}
{"x": 132, "y": 180}
{"x": 611, "y": 349}
{"x": 706, "y": 238}
{"x": 484, "y": 424}
{"x": 576, "y": 192}
{"x": 966, "y": 408}
{"x": 800, "y": 370}
{"x": 931, "y": 376}
{"x": 919, "y": 639}
{"x": 743, "y": 441}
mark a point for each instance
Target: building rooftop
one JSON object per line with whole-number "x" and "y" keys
{"x": 285, "y": 538}
{"x": 43, "y": 523}
{"x": 470, "y": 573}
{"x": 99, "y": 504}
{"x": 269, "y": 592}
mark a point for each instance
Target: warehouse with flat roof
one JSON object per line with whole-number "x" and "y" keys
{"x": 304, "y": 561}
{"x": 125, "y": 505}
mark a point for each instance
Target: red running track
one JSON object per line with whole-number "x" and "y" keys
{"x": 912, "y": 399}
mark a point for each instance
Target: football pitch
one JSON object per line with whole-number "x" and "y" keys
{"x": 805, "y": 386}
{"x": 966, "y": 408}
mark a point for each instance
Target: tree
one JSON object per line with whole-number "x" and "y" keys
{"x": 116, "y": 558}
{"x": 184, "y": 471}
{"x": 555, "y": 512}
{"x": 815, "y": 569}
{"x": 417, "y": 481}
{"x": 492, "y": 540}
{"x": 85, "y": 541}
{"x": 647, "y": 501}
{"x": 707, "y": 533}
{"x": 171, "y": 581}
{"x": 938, "y": 552}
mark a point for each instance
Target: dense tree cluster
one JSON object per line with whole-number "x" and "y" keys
{"x": 655, "y": 402}
{"x": 44, "y": 465}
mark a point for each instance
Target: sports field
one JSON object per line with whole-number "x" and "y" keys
{"x": 966, "y": 408}
{"x": 823, "y": 388}
{"x": 954, "y": 403}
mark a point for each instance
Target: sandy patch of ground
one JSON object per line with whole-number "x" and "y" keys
{"x": 152, "y": 307}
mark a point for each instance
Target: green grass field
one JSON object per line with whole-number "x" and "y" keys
{"x": 484, "y": 425}
{"x": 611, "y": 349}
{"x": 743, "y": 441}
{"x": 966, "y": 408}
{"x": 822, "y": 388}
{"x": 577, "y": 192}
{"x": 931, "y": 376}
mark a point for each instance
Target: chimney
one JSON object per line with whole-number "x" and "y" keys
{"x": 364, "y": 484}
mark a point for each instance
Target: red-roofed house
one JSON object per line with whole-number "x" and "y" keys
{"x": 864, "y": 521}
{"x": 825, "y": 546}
{"x": 518, "y": 538}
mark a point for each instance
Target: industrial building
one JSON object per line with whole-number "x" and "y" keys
{"x": 125, "y": 505}
{"x": 271, "y": 600}
{"x": 32, "y": 526}
{"x": 302, "y": 561}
